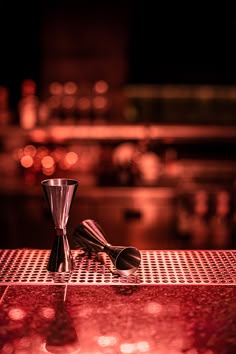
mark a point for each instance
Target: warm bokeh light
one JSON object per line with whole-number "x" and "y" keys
{"x": 47, "y": 312}
{"x": 101, "y": 87}
{"x": 143, "y": 347}
{"x": 55, "y": 88}
{"x": 124, "y": 153}
{"x": 30, "y": 150}
{"x": 127, "y": 348}
{"x": 153, "y": 308}
{"x": 223, "y": 200}
{"x": 42, "y": 151}
{"x": 201, "y": 202}
{"x": 149, "y": 166}
{"x": 100, "y": 102}
{"x": 47, "y": 162}
{"x": 26, "y": 161}
{"x": 70, "y": 88}
{"x": 71, "y": 157}
{"x": 68, "y": 102}
{"x": 38, "y": 135}
{"x": 58, "y": 134}
{"x": 19, "y": 153}
{"x": 48, "y": 171}
{"x": 106, "y": 341}
{"x": 16, "y": 314}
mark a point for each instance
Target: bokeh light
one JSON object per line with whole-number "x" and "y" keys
{"x": 71, "y": 157}
{"x": 16, "y": 314}
{"x": 47, "y": 162}
{"x": 101, "y": 87}
{"x": 70, "y": 88}
{"x": 128, "y": 348}
{"x": 55, "y": 88}
{"x": 30, "y": 150}
{"x": 105, "y": 341}
{"x": 100, "y": 102}
{"x": 26, "y": 161}
{"x": 47, "y": 312}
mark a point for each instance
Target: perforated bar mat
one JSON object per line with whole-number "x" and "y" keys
{"x": 27, "y": 266}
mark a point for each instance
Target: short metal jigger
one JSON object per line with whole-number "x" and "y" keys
{"x": 59, "y": 193}
{"x": 90, "y": 236}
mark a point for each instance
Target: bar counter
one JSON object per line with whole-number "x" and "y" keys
{"x": 176, "y": 302}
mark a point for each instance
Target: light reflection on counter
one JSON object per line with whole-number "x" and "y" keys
{"x": 193, "y": 320}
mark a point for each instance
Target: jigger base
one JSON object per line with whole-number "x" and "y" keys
{"x": 60, "y": 259}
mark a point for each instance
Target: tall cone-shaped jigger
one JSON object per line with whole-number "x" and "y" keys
{"x": 89, "y": 235}
{"x": 59, "y": 193}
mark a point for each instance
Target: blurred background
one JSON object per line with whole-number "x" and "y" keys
{"x": 136, "y": 102}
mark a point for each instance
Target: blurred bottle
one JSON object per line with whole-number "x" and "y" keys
{"x": 184, "y": 214}
{"x": 5, "y": 113}
{"x": 124, "y": 163}
{"x": 148, "y": 162}
{"x": 83, "y": 111}
{"x": 28, "y": 105}
{"x": 68, "y": 102}
{"x": 43, "y": 113}
{"x": 200, "y": 230}
{"x": 233, "y": 199}
{"x": 54, "y": 102}
{"x": 221, "y": 220}
{"x": 101, "y": 101}
{"x": 172, "y": 171}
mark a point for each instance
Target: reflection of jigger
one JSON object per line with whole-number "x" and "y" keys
{"x": 61, "y": 334}
{"x": 60, "y": 193}
{"x": 89, "y": 235}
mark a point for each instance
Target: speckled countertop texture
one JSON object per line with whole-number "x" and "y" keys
{"x": 94, "y": 319}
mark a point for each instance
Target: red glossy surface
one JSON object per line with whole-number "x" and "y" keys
{"x": 171, "y": 319}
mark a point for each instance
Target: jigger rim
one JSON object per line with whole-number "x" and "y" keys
{"x": 54, "y": 182}
{"x": 131, "y": 269}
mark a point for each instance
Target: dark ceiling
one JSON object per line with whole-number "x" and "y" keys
{"x": 166, "y": 45}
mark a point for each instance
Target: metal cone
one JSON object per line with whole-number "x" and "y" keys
{"x": 125, "y": 259}
{"x": 59, "y": 193}
{"x": 89, "y": 235}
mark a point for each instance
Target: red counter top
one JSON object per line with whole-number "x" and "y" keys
{"x": 118, "y": 319}
{"x": 136, "y": 315}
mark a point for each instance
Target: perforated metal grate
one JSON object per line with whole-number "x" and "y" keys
{"x": 27, "y": 266}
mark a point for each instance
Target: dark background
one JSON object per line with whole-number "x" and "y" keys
{"x": 192, "y": 44}
{"x": 165, "y": 44}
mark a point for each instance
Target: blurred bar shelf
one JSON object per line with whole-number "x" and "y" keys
{"x": 57, "y": 133}
{"x": 17, "y": 186}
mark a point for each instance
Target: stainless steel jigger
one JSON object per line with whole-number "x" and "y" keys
{"x": 90, "y": 236}
{"x": 59, "y": 193}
